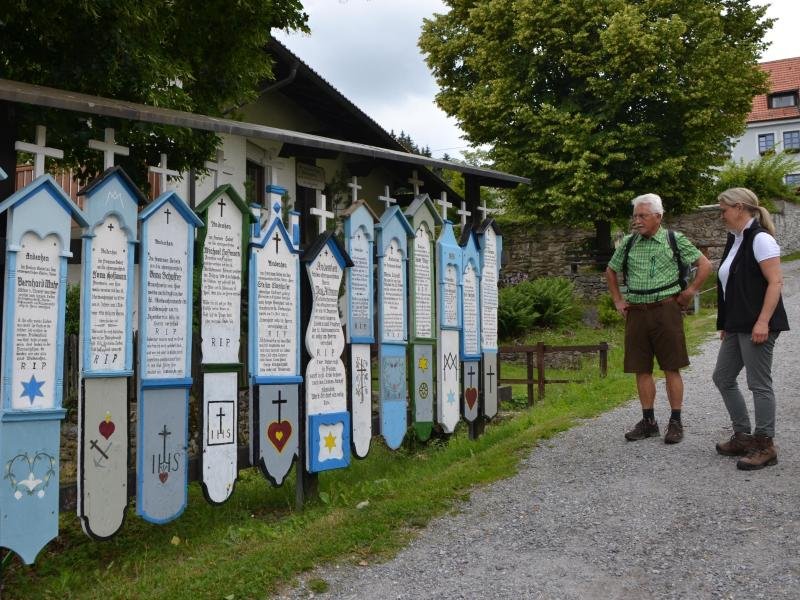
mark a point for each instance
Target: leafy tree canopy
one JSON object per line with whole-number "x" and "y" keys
{"x": 598, "y": 101}
{"x": 202, "y": 57}
{"x": 766, "y": 176}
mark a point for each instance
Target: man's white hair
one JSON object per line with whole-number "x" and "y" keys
{"x": 654, "y": 200}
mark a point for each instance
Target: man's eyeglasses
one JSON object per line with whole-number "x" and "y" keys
{"x": 641, "y": 216}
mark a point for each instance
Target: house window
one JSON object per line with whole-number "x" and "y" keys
{"x": 782, "y": 100}
{"x": 791, "y": 141}
{"x": 254, "y": 183}
{"x": 793, "y": 179}
{"x": 766, "y": 142}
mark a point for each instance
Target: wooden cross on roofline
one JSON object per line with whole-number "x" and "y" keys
{"x": 218, "y": 167}
{"x": 442, "y": 201}
{"x": 485, "y": 212}
{"x": 386, "y": 198}
{"x": 354, "y": 187}
{"x": 320, "y": 211}
{"x": 39, "y": 150}
{"x": 109, "y": 148}
{"x": 416, "y": 182}
{"x": 163, "y": 172}
{"x": 464, "y": 214}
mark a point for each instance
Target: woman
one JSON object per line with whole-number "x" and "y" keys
{"x": 750, "y": 316}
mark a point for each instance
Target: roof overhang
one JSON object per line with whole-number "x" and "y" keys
{"x": 25, "y": 93}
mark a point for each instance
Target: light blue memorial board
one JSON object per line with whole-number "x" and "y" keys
{"x": 274, "y": 343}
{"x": 392, "y": 233}
{"x": 449, "y": 267}
{"x": 327, "y": 419}
{"x": 469, "y": 299}
{"x": 359, "y": 236}
{"x": 424, "y": 219}
{"x": 111, "y": 204}
{"x": 38, "y": 238}
{"x": 491, "y": 245}
{"x": 165, "y": 341}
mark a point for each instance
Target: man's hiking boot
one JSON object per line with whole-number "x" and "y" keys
{"x": 739, "y": 445}
{"x": 643, "y": 429}
{"x": 762, "y": 454}
{"x": 674, "y": 433}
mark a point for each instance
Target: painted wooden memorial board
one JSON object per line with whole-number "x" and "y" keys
{"x": 274, "y": 350}
{"x": 448, "y": 274}
{"x": 327, "y": 419}
{"x": 491, "y": 245}
{"x": 359, "y": 235}
{"x": 37, "y": 248}
{"x": 222, "y": 259}
{"x": 165, "y": 341}
{"x": 111, "y": 204}
{"x": 392, "y": 234}
{"x": 423, "y": 218}
{"x": 470, "y": 323}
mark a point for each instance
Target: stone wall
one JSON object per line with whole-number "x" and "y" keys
{"x": 539, "y": 251}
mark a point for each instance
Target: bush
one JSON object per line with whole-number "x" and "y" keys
{"x": 607, "y": 313}
{"x": 766, "y": 176}
{"x": 544, "y": 302}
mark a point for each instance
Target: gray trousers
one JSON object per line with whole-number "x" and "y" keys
{"x": 738, "y": 351}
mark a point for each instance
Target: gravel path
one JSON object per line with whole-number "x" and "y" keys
{"x": 592, "y": 516}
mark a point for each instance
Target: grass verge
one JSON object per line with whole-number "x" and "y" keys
{"x": 256, "y": 542}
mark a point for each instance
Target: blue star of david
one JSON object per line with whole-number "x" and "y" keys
{"x": 276, "y": 207}
{"x": 451, "y": 397}
{"x": 32, "y": 389}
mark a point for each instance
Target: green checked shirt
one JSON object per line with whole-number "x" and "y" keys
{"x": 651, "y": 265}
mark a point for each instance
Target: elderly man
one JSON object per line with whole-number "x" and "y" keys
{"x": 649, "y": 262}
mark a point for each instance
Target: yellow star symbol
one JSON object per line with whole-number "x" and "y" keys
{"x": 330, "y": 442}
{"x": 423, "y": 363}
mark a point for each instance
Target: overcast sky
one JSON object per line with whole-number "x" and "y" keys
{"x": 367, "y": 49}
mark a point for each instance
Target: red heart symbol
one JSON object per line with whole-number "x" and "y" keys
{"x": 471, "y": 396}
{"x": 106, "y": 428}
{"x": 163, "y": 476}
{"x": 279, "y": 432}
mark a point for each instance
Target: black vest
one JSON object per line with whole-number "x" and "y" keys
{"x": 745, "y": 289}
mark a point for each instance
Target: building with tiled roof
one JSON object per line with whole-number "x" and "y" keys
{"x": 774, "y": 121}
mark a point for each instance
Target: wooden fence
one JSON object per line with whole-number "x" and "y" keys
{"x": 534, "y": 360}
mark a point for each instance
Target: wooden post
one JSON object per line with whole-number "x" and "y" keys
{"x": 540, "y": 368}
{"x": 603, "y": 359}
{"x": 529, "y": 360}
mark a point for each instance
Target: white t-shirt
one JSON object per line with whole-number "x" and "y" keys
{"x": 764, "y": 247}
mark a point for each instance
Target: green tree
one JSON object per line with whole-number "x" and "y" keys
{"x": 598, "y": 101}
{"x": 766, "y": 176}
{"x": 203, "y": 57}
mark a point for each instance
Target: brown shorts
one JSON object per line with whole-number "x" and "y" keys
{"x": 655, "y": 330}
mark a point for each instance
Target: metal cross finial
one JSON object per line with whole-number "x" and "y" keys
{"x": 444, "y": 204}
{"x": 218, "y": 167}
{"x": 464, "y": 214}
{"x": 416, "y": 182}
{"x": 354, "y": 187}
{"x": 163, "y": 172}
{"x": 386, "y": 198}
{"x": 39, "y": 150}
{"x": 109, "y": 148}
{"x": 320, "y": 210}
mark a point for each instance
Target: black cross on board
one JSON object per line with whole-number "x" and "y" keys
{"x": 168, "y": 213}
{"x": 220, "y": 414}
{"x": 279, "y": 401}
{"x": 221, "y": 205}
{"x": 164, "y": 433}
{"x": 94, "y": 445}
{"x": 326, "y": 253}
{"x": 111, "y": 227}
{"x": 362, "y": 370}
{"x": 471, "y": 372}
{"x": 276, "y": 239}
{"x": 491, "y": 375}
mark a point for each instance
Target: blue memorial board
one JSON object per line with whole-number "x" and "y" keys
{"x": 469, "y": 301}
{"x": 37, "y": 248}
{"x": 111, "y": 204}
{"x": 392, "y": 233}
{"x": 165, "y": 341}
{"x": 274, "y": 343}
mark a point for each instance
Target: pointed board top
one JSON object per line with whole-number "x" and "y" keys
{"x": 46, "y": 182}
{"x": 172, "y": 198}
{"x": 267, "y": 236}
{"x": 329, "y": 240}
{"x": 228, "y": 190}
{"x": 419, "y": 203}
{"x": 125, "y": 180}
{"x": 447, "y": 237}
{"x": 3, "y": 175}
{"x": 467, "y": 236}
{"x": 358, "y": 205}
{"x": 486, "y": 224}
{"x": 394, "y": 212}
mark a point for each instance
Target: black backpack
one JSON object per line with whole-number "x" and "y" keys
{"x": 684, "y": 269}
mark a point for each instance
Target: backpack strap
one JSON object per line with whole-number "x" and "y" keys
{"x": 626, "y": 252}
